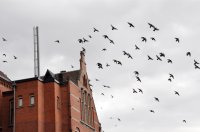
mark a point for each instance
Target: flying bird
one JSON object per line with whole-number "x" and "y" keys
{"x": 169, "y": 61}
{"x": 80, "y": 40}
{"x": 151, "y": 25}
{"x": 4, "y": 55}
{"x": 5, "y": 62}
{"x": 152, "y": 38}
{"x": 188, "y": 54}
{"x": 111, "y": 41}
{"x": 144, "y": 39}
{"x": 155, "y": 29}
{"x": 57, "y": 41}
{"x": 89, "y": 36}
{"x": 184, "y": 121}
{"x": 104, "y": 49}
{"x": 113, "y": 28}
{"x": 195, "y": 62}
{"x": 138, "y": 79}
{"x": 102, "y": 93}
{"x": 136, "y": 47}
{"x": 177, "y": 93}
{"x": 134, "y": 91}
{"x": 4, "y": 39}
{"x": 83, "y": 49}
{"x": 140, "y": 90}
{"x": 107, "y": 65}
{"x": 149, "y": 58}
{"x": 152, "y": 111}
{"x": 15, "y": 57}
{"x": 96, "y": 79}
{"x": 156, "y": 99}
{"x": 106, "y": 36}
{"x": 177, "y": 40}
{"x": 158, "y": 58}
{"x": 85, "y": 40}
{"x": 170, "y": 80}
{"x": 136, "y": 73}
{"x": 171, "y": 75}
{"x": 99, "y": 65}
{"x": 196, "y": 67}
{"x": 162, "y": 54}
{"x": 130, "y": 24}
{"x": 117, "y": 62}
{"x": 72, "y": 66}
{"x": 95, "y": 30}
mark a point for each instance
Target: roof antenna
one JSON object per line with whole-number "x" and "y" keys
{"x": 36, "y": 51}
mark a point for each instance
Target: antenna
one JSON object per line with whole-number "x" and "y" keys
{"x": 36, "y": 51}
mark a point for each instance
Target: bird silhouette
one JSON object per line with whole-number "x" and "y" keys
{"x": 152, "y": 111}
{"x": 162, "y": 54}
{"x": 171, "y": 75}
{"x": 96, "y": 30}
{"x": 118, "y": 119}
{"x": 144, "y": 39}
{"x": 107, "y": 65}
{"x": 102, "y": 93}
{"x": 156, "y": 99}
{"x": 134, "y": 91}
{"x": 83, "y": 49}
{"x": 5, "y": 62}
{"x": 106, "y": 86}
{"x": 138, "y": 79}
{"x": 151, "y": 25}
{"x": 113, "y": 28}
{"x": 158, "y": 58}
{"x": 104, "y": 49}
{"x": 72, "y": 66}
{"x": 15, "y": 57}
{"x": 155, "y": 29}
{"x": 89, "y": 36}
{"x": 149, "y": 58}
{"x": 169, "y": 61}
{"x": 152, "y": 38}
{"x": 169, "y": 79}
{"x": 188, "y": 54}
{"x": 136, "y": 47}
{"x": 99, "y": 65}
{"x": 184, "y": 121}
{"x": 177, "y": 40}
{"x": 111, "y": 96}
{"x": 136, "y": 73}
{"x": 4, "y": 39}
{"x": 80, "y": 40}
{"x": 195, "y": 62}
{"x": 106, "y": 36}
{"x": 111, "y": 41}
{"x": 4, "y": 55}
{"x": 57, "y": 41}
{"x": 85, "y": 40}
{"x": 96, "y": 79}
{"x": 117, "y": 62}
{"x": 130, "y": 24}
{"x": 196, "y": 67}
{"x": 140, "y": 90}
{"x": 177, "y": 93}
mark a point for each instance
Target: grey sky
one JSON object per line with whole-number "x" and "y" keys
{"x": 69, "y": 20}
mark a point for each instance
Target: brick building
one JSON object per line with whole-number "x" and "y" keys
{"x": 59, "y": 102}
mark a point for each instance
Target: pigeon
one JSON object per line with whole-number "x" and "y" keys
{"x": 57, "y": 41}
{"x": 138, "y": 79}
{"x": 151, "y": 25}
{"x": 95, "y": 30}
{"x": 162, "y": 54}
{"x": 80, "y": 40}
{"x": 177, "y": 93}
{"x": 156, "y": 99}
{"x": 136, "y": 47}
{"x": 177, "y": 40}
{"x": 140, "y": 90}
{"x": 106, "y": 36}
{"x": 130, "y": 24}
{"x": 196, "y": 67}
{"x": 170, "y": 80}
{"x": 15, "y": 57}
{"x": 89, "y": 36}
{"x": 134, "y": 91}
{"x": 99, "y": 65}
{"x": 118, "y": 119}
{"x": 85, "y": 40}
{"x": 188, "y": 54}
{"x": 144, "y": 39}
{"x": 149, "y": 58}
{"x": 96, "y": 79}
{"x": 152, "y": 38}
{"x": 152, "y": 111}
{"x": 136, "y": 73}
{"x": 83, "y": 49}
{"x": 195, "y": 62}
{"x": 155, "y": 29}
{"x": 113, "y": 28}
{"x": 169, "y": 61}
{"x": 4, "y": 39}
{"x": 158, "y": 58}
{"x": 111, "y": 41}
{"x": 171, "y": 75}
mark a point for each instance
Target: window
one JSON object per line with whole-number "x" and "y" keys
{"x": 11, "y": 113}
{"x": 58, "y": 103}
{"x": 20, "y": 101}
{"x": 32, "y": 99}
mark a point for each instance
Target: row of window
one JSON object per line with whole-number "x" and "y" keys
{"x": 86, "y": 108}
{"x": 31, "y": 98}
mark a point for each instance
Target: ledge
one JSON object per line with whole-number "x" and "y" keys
{"x": 88, "y": 125}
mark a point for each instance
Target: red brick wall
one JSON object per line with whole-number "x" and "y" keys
{"x": 27, "y": 116}
{"x": 40, "y": 103}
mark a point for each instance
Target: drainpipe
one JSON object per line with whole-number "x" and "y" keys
{"x": 14, "y": 88}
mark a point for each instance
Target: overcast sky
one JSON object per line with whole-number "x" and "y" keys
{"x": 70, "y": 20}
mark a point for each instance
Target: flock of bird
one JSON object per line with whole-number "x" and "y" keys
{"x": 159, "y": 57}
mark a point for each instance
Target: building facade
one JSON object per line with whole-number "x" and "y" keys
{"x": 61, "y": 102}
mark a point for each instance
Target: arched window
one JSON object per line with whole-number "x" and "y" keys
{"x": 84, "y": 81}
